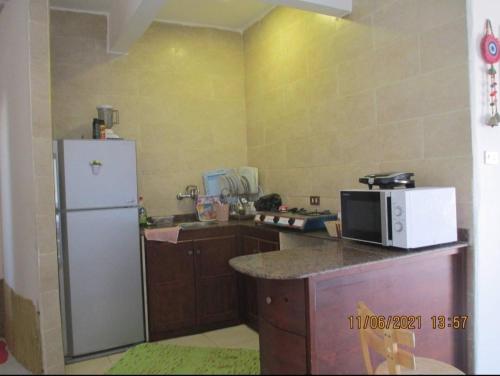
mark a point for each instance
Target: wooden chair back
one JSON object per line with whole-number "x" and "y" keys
{"x": 385, "y": 342}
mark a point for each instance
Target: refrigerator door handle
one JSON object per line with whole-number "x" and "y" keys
{"x": 60, "y": 248}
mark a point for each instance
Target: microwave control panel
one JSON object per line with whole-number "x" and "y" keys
{"x": 398, "y": 217}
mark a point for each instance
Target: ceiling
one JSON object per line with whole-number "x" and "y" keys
{"x": 234, "y": 15}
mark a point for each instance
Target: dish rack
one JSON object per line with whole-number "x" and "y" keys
{"x": 237, "y": 187}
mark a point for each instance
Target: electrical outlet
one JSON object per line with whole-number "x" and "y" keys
{"x": 314, "y": 200}
{"x": 491, "y": 157}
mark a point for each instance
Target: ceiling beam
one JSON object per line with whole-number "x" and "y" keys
{"x": 128, "y": 20}
{"x": 337, "y": 8}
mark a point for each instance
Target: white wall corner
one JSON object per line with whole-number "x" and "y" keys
{"x": 486, "y": 200}
{"x": 128, "y": 20}
{"x": 337, "y": 8}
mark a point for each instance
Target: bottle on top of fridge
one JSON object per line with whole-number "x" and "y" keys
{"x": 143, "y": 215}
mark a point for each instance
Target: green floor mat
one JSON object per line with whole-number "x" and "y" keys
{"x": 152, "y": 358}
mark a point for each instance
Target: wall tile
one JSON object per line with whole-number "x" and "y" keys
{"x": 46, "y": 233}
{"x": 359, "y": 146}
{"x": 328, "y": 181}
{"x": 292, "y": 126}
{"x": 40, "y": 104}
{"x": 437, "y": 92}
{"x": 448, "y": 135}
{"x": 326, "y": 149}
{"x": 48, "y": 272}
{"x": 354, "y": 76}
{"x": 399, "y": 101}
{"x": 452, "y": 172}
{"x": 464, "y": 219}
{"x": 344, "y": 113}
{"x": 42, "y": 155}
{"x": 380, "y": 98}
{"x": 298, "y": 153}
{"x": 353, "y": 38}
{"x": 362, "y": 8}
{"x": 50, "y": 313}
{"x": 180, "y": 92}
{"x": 395, "y": 62}
{"x": 70, "y": 24}
{"x": 79, "y": 50}
{"x": 444, "y": 90}
{"x": 443, "y": 46}
{"x": 434, "y": 13}
{"x": 318, "y": 93}
{"x": 45, "y": 195}
{"x": 323, "y": 54}
{"x": 53, "y": 351}
{"x": 39, "y": 11}
{"x": 323, "y": 84}
{"x": 402, "y": 141}
{"x": 395, "y": 22}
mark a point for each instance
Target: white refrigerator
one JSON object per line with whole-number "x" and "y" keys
{"x": 100, "y": 271}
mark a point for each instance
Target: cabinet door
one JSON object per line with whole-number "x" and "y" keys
{"x": 216, "y": 281}
{"x": 171, "y": 287}
{"x": 267, "y": 246}
{"x": 281, "y": 352}
{"x": 249, "y": 285}
{"x": 250, "y": 245}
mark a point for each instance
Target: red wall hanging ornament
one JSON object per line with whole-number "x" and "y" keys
{"x": 490, "y": 49}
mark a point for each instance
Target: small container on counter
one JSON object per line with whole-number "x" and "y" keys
{"x": 102, "y": 132}
{"x": 221, "y": 211}
{"x": 96, "y": 128}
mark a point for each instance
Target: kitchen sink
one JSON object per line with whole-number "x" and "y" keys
{"x": 188, "y": 225}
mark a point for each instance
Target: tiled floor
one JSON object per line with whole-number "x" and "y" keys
{"x": 235, "y": 337}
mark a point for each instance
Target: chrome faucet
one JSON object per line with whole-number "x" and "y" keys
{"x": 191, "y": 192}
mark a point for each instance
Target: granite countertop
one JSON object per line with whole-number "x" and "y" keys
{"x": 305, "y": 262}
{"x": 215, "y": 224}
{"x": 322, "y": 234}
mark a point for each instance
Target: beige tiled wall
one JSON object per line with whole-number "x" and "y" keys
{"x": 50, "y": 319}
{"x": 385, "y": 89}
{"x": 180, "y": 92}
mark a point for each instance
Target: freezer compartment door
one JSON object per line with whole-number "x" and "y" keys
{"x": 98, "y": 174}
{"x": 103, "y": 282}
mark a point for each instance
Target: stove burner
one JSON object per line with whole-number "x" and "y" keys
{"x": 297, "y": 219}
{"x": 306, "y": 212}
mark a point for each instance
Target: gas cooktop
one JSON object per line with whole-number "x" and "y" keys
{"x": 298, "y": 219}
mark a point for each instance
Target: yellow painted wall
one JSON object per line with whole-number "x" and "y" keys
{"x": 180, "y": 92}
{"x": 385, "y": 89}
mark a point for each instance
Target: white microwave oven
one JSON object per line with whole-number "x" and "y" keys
{"x": 403, "y": 218}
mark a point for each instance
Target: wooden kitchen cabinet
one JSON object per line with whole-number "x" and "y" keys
{"x": 282, "y": 304}
{"x": 281, "y": 352}
{"x": 254, "y": 240}
{"x": 282, "y": 322}
{"x": 191, "y": 287}
{"x": 171, "y": 287}
{"x": 216, "y": 285}
{"x": 304, "y": 323}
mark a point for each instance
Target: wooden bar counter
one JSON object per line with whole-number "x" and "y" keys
{"x": 307, "y": 302}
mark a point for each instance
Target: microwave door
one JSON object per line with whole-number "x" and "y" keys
{"x": 364, "y": 216}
